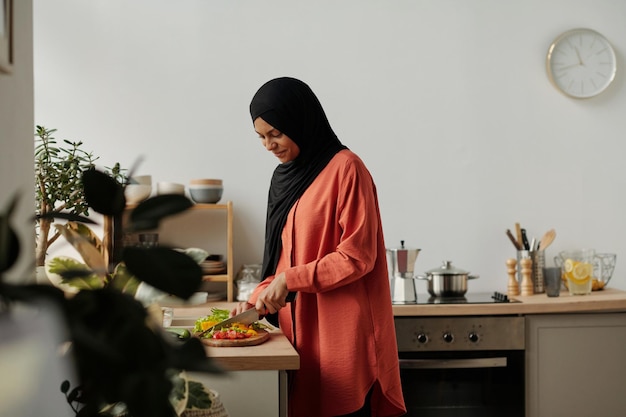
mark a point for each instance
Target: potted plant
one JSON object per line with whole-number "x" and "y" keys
{"x": 121, "y": 356}
{"x": 58, "y": 185}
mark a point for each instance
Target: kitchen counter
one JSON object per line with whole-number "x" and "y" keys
{"x": 605, "y": 301}
{"x": 256, "y": 374}
{"x": 275, "y": 354}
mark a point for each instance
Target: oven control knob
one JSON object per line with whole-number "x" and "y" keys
{"x": 473, "y": 337}
{"x": 448, "y": 337}
{"x": 422, "y": 338}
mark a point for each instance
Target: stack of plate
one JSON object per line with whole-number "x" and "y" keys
{"x": 210, "y": 267}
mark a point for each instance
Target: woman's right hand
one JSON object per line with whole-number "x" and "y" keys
{"x": 240, "y": 308}
{"x": 274, "y": 296}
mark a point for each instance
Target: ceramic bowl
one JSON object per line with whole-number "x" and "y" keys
{"x": 136, "y": 193}
{"x": 164, "y": 187}
{"x": 206, "y": 194}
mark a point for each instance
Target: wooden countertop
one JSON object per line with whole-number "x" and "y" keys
{"x": 607, "y": 300}
{"x": 278, "y": 353}
{"x": 275, "y": 354}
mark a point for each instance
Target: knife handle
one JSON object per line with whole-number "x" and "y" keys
{"x": 525, "y": 240}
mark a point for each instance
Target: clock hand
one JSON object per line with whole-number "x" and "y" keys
{"x": 580, "y": 60}
{"x": 567, "y": 67}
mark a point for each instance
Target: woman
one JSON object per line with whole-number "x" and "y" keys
{"x": 324, "y": 244}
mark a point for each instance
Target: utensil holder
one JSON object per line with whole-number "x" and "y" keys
{"x": 539, "y": 261}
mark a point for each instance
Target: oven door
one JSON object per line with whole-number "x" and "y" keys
{"x": 468, "y": 384}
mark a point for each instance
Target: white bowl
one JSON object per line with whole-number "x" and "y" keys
{"x": 164, "y": 187}
{"x": 136, "y": 193}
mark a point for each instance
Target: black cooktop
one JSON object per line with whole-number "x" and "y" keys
{"x": 471, "y": 298}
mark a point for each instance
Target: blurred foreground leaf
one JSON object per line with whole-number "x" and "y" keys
{"x": 103, "y": 193}
{"x": 148, "y": 214}
{"x": 169, "y": 270}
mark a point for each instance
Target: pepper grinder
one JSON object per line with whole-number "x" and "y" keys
{"x": 527, "y": 282}
{"x": 513, "y": 286}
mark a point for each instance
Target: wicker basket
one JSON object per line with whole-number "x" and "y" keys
{"x": 217, "y": 408}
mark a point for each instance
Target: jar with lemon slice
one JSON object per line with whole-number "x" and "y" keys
{"x": 577, "y": 270}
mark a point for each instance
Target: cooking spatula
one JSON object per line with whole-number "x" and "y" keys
{"x": 547, "y": 239}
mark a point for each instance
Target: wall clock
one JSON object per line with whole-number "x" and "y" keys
{"x": 581, "y": 63}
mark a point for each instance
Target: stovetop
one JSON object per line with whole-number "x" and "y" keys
{"x": 470, "y": 298}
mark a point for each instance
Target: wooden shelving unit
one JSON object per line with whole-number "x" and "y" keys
{"x": 228, "y": 277}
{"x": 178, "y": 233}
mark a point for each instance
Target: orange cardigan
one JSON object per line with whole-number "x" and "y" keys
{"x": 334, "y": 256}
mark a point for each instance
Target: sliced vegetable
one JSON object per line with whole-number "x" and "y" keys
{"x": 233, "y": 331}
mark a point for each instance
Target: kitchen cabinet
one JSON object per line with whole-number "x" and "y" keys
{"x": 209, "y": 227}
{"x": 575, "y": 365}
{"x": 574, "y": 349}
{"x": 249, "y": 393}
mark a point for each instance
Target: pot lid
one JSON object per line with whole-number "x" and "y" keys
{"x": 402, "y": 248}
{"x": 447, "y": 269}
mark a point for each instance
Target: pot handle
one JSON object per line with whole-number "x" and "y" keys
{"x": 473, "y": 276}
{"x": 425, "y": 278}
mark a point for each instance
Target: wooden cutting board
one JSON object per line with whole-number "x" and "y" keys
{"x": 261, "y": 337}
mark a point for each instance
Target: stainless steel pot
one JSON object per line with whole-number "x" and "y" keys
{"x": 447, "y": 281}
{"x": 401, "y": 264}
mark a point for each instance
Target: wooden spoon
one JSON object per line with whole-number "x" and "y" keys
{"x": 547, "y": 239}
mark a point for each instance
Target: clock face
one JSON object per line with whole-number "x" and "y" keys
{"x": 581, "y": 63}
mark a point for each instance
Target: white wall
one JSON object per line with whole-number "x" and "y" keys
{"x": 16, "y": 139}
{"x": 447, "y": 102}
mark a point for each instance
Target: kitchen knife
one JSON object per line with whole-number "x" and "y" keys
{"x": 525, "y": 240}
{"x": 247, "y": 317}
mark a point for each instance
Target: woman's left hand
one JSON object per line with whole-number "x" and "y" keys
{"x": 273, "y": 297}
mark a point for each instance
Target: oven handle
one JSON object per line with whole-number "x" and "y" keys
{"x": 453, "y": 363}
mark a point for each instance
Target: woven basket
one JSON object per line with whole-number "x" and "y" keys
{"x": 217, "y": 408}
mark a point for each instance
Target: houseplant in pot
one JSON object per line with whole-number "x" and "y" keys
{"x": 58, "y": 184}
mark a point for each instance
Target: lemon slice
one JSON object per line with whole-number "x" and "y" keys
{"x": 582, "y": 270}
{"x": 581, "y": 273}
{"x": 569, "y": 265}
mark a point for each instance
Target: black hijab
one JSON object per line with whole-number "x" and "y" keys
{"x": 290, "y": 106}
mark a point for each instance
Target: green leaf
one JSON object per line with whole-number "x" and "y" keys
{"x": 166, "y": 269}
{"x": 103, "y": 193}
{"x": 198, "y": 396}
{"x": 74, "y": 273}
{"x": 148, "y": 214}
{"x": 82, "y": 242}
{"x": 122, "y": 280}
{"x": 9, "y": 245}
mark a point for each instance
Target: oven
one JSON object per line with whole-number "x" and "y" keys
{"x": 462, "y": 366}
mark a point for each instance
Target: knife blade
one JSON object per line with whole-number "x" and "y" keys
{"x": 247, "y": 317}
